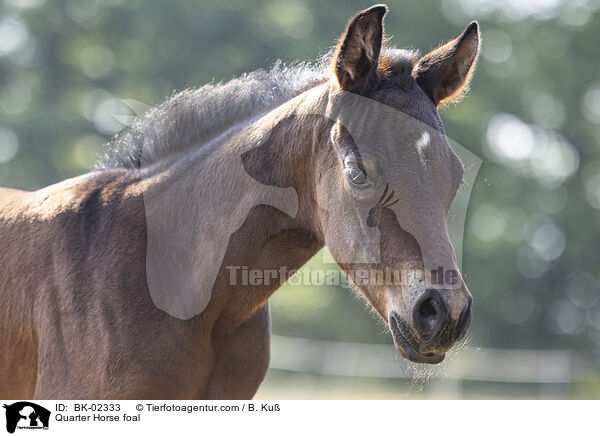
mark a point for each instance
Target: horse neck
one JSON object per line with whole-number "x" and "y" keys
{"x": 275, "y": 153}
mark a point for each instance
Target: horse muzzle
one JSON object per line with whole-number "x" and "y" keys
{"x": 433, "y": 330}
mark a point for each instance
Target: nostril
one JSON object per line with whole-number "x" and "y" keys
{"x": 465, "y": 316}
{"x": 430, "y": 313}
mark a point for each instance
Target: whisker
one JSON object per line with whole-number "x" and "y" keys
{"x": 389, "y": 197}
{"x": 382, "y": 195}
{"x": 392, "y": 203}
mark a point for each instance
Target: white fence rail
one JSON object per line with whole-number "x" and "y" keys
{"x": 548, "y": 368}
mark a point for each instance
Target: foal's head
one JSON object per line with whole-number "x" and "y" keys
{"x": 389, "y": 177}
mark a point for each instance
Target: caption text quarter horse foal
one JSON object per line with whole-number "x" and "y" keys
{"x": 115, "y": 284}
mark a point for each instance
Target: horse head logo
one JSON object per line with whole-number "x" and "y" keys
{"x": 26, "y": 415}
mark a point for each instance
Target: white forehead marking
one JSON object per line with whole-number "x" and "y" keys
{"x": 423, "y": 141}
{"x": 423, "y": 146}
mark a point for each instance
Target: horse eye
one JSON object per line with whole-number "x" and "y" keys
{"x": 356, "y": 174}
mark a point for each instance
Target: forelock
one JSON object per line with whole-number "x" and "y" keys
{"x": 396, "y": 66}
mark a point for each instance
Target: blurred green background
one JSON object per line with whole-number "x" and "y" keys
{"x": 532, "y": 240}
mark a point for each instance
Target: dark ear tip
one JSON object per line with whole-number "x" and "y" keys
{"x": 473, "y": 27}
{"x": 380, "y": 10}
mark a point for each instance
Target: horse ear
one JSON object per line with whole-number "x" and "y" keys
{"x": 358, "y": 52}
{"x": 446, "y": 72}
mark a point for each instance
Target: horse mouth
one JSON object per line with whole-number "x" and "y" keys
{"x": 405, "y": 343}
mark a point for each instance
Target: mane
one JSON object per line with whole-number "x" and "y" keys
{"x": 194, "y": 116}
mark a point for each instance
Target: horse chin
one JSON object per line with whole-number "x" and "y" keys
{"x": 407, "y": 346}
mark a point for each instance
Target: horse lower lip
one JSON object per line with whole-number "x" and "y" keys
{"x": 409, "y": 350}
